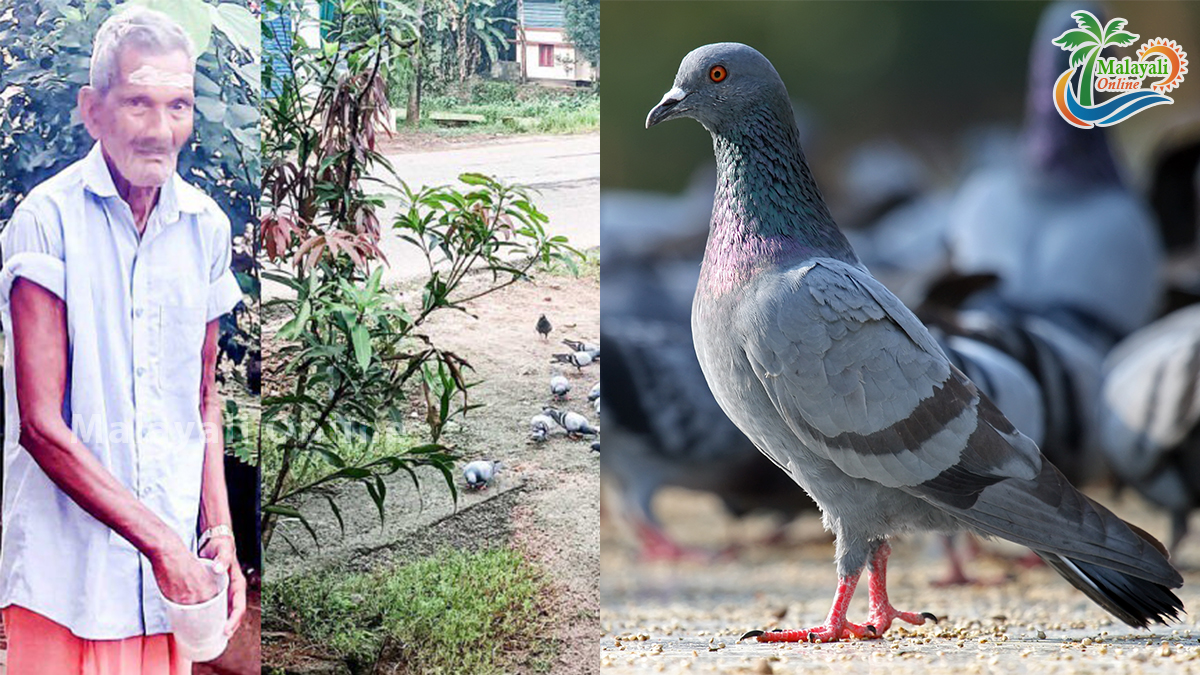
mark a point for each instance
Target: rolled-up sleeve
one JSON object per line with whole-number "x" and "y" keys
{"x": 31, "y": 252}
{"x": 224, "y": 293}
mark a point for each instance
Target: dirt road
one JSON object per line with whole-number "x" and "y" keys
{"x": 565, "y": 170}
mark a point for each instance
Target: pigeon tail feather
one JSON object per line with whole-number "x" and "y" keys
{"x": 1136, "y": 601}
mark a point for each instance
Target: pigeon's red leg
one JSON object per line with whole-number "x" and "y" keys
{"x": 956, "y": 576}
{"x": 836, "y": 626}
{"x": 882, "y": 613}
{"x": 656, "y": 545}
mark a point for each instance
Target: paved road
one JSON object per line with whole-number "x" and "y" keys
{"x": 564, "y": 169}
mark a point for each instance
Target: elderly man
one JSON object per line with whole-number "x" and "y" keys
{"x": 115, "y": 273}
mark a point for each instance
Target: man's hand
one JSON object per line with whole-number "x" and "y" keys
{"x": 182, "y": 578}
{"x": 223, "y": 552}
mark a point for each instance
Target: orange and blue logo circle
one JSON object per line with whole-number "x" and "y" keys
{"x": 1139, "y": 84}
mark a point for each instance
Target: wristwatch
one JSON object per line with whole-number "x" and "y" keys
{"x": 212, "y": 533}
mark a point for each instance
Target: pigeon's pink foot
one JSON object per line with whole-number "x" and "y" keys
{"x": 656, "y": 546}
{"x": 882, "y": 613}
{"x": 835, "y": 628}
{"x": 826, "y": 633}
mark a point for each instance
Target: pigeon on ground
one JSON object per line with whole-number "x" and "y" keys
{"x": 578, "y": 359}
{"x": 844, "y": 388}
{"x": 596, "y": 447}
{"x": 559, "y": 386}
{"x": 1068, "y": 240}
{"x": 540, "y": 426}
{"x": 594, "y": 394}
{"x": 479, "y": 474}
{"x": 544, "y": 327}
{"x": 578, "y": 346}
{"x": 1151, "y": 414}
{"x": 573, "y": 422}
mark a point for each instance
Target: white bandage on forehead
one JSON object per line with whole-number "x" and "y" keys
{"x": 150, "y": 76}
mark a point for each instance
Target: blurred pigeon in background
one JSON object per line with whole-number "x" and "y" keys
{"x": 844, "y": 389}
{"x": 1068, "y": 241}
{"x": 479, "y": 474}
{"x": 1151, "y": 414}
{"x": 666, "y": 429}
{"x": 544, "y": 327}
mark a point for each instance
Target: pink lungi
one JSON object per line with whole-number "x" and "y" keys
{"x": 39, "y": 646}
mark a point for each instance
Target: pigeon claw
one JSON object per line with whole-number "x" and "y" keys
{"x": 819, "y": 634}
{"x": 930, "y": 616}
{"x": 750, "y": 634}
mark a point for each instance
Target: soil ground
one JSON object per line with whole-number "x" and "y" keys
{"x": 687, "y": 617}
{"x": 546, "y": 501}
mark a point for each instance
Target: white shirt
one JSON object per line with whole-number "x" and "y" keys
{"x": 137, "y": 310}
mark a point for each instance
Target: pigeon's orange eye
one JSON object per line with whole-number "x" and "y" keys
{"x": 717, "y": 73}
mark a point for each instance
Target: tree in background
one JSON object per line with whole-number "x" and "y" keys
{"x": 583, "y": 27}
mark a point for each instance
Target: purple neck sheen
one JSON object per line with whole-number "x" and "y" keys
{"x": 767, "y": 210}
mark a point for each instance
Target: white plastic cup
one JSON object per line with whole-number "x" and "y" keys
{"x": 200, "y": 629}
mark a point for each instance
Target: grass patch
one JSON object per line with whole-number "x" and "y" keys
{"x": 510, "y": 109}
{"x": 456, "y": 612}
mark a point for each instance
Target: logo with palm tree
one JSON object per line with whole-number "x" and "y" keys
{"x": 1157, "y": 58}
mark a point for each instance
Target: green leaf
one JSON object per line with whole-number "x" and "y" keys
{"x": 337, "y": 512}
{"x": 289, "y": 512}
{"x": 361, "y": 338}
{"x": 239, "y": 25}
{"x": 213, "y": 109}
{"x": 191, "y": 15}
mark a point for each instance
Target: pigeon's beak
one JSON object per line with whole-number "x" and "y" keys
{"x": 666, "y": 107}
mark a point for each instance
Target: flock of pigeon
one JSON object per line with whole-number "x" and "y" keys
{"x": 479, "y": 474}
{"x": 1052, "y": 342}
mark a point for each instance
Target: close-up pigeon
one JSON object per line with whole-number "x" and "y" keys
{"x": 842, "y": 387}
{"x": 1151, "y": 414}
{"x": 573, "y": 422}
{"x": 480, "y": 473}
{"x": 544, "y": 327}
{"x": 559, "y": 386}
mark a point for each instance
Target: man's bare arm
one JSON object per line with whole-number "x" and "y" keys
{"x": 214, "y": 497}
{"x": 40, "y": 350}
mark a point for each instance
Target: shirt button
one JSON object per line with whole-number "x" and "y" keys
{"x": 141, "y": 371}
{"x": 138, "y": 312}
{"x": 144, "y": 432}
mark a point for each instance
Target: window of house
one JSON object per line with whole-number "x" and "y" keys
{"x": 545, "y": 55}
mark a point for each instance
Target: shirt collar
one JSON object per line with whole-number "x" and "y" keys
{"x": 174, "y": 198}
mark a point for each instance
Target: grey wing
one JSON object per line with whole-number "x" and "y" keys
{"x": 859, "y": 379}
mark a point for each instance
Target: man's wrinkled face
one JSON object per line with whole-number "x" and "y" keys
{"x": 145, "y": 118}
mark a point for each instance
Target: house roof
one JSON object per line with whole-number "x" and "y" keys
{"x": 543, "y": 14}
